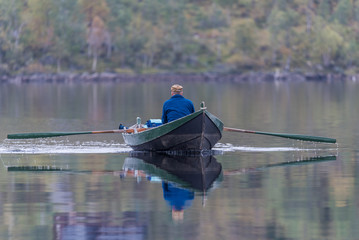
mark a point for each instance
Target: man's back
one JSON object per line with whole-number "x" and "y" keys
{"x": 176, "y": 107}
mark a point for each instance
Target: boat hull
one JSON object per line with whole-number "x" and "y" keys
{"x": 196, "y": 132}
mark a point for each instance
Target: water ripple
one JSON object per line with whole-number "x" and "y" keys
{"x": 53, "y": 147}
{"x": 41, "y": 146}
{"x": 227, "y": 147}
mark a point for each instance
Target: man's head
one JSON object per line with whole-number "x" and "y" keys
{"x": 176, "y": 89}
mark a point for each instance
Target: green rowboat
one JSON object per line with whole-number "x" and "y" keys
{"x": 198, "y": 131}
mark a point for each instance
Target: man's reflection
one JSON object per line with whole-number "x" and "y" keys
{"x": 178, "y": 199}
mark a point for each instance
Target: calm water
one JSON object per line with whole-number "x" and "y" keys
{"x": 259, "y": 187}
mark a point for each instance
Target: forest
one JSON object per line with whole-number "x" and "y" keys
{"x": 181, "y": 36}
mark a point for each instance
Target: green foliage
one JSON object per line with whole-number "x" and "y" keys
{"x": 172, "y": 35}
{"x": 246, "y": 36}
{"x": 343, "y": 12}
{"x": 39, "y": 20}
{"x": 69, "y": 30}
{"x": 213, "y": 18}
{"x": 327, "y": 42}
{"x": 324, "y": 9}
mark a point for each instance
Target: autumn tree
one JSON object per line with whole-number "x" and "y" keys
{"x": 11, "y": 31}
{"x": 39, "y": 23}
{"x": 96, "y": 15}
{"x": 95, "y": 39}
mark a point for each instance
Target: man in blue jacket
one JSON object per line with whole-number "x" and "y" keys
{"x": 177, "y": 106}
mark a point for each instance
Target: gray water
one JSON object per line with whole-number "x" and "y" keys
{"x": 95, "y": 188}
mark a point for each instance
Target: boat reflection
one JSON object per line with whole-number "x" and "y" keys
{"x": 194, "y": 172}
{"x": 181, "y": 176}
{"x": 310, "y": 160}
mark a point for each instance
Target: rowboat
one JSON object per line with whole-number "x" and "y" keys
{"x": 197, "y": 172}
{"x": 198, "y": 131}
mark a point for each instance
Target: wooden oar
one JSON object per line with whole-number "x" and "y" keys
{"x": 59, "y": 134}
{"x": 285, "y": 135}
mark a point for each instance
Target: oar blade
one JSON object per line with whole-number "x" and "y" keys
{"x": 42, "y": 135}
{"x": 301, "y": 137}
{"x": 286, "y": 135}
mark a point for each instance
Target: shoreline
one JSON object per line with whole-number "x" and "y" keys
{"x": 172, "y": 77}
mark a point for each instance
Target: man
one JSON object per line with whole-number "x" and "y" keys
{"x": 177, "y": 106}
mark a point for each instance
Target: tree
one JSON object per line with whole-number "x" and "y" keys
{"x": 96, "y": 14}
{"x": 11, "y": 31}
{"x": 281, "y": 22}
{"x": 356, "y": 10}
{"x": 343, "y": 11}
{"x": 327, "y": 42}
{"x": 324, "y": 9}
{"x": 68, "y": 30}
{"x": 95, "y": 38}
{"x": 94, "y": 8}
{"x": 246, "y": 36}
{"x": 39, "y": 24}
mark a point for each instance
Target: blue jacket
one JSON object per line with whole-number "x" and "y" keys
{"x": 177, "y": 198}
{"x": 176, "y": 107}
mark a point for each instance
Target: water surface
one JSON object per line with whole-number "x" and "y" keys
{"x": 94, "y": 187}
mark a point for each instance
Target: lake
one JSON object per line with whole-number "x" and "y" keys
{"x": 260, "y": 187}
